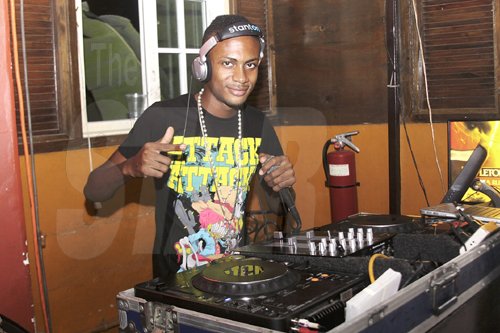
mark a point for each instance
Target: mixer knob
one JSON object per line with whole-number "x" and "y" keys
{"x": 352, "y": 244}
{"x": 310, "y": 234}
{"x": 343, "y": 244}
{"x": 278, "y": 235}
{"x": 369, "y": 236}
{"x": 332, "y": 247}
{"x": 312, "y": 247}
{"x": 341, "y": 235}
{"x": 324, "y": 241}
{"x": 322, "y": 248}
{"x": 292, "y": 241}
{"x": 360, "y": 236}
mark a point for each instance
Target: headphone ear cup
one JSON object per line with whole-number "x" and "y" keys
{"x": 199, "y": 69}
{"x": 208, "y": 70}
{"x": 262, "y": 43}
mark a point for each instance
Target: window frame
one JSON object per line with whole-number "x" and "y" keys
{"x": 149, "y": 60}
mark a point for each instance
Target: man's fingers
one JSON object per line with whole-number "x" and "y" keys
{"x": 154, "y": 158}
{"x": 158, "y": 169}
{"x": 266, "y": 164}
{"x": 277, "y": 171}
{"x": 285, "y": 179}
{"x": 156, "y": 166}
{"x": 168, "y": 136}
{"x": 165, "y": 145}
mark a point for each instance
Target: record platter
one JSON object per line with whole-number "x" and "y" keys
{"x": 259, "y": 292}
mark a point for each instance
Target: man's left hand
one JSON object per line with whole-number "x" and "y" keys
{"x": 277, "y": 171}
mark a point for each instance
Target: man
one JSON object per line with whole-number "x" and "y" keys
{"x": 203, "y": 151}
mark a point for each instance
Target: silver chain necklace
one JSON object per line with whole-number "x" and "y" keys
{"x": 212, "y": 168}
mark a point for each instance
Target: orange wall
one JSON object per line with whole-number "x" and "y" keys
{"x": 433, "y": 170}
{"x": 89, "y": 259}
{"x": 304, "y": 145}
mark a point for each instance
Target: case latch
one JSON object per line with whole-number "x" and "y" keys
{"x": 377, "y": 315}
{"x": 444, "y": 291}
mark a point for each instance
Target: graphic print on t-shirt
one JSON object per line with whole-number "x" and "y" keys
{"x": 211, "y": 210}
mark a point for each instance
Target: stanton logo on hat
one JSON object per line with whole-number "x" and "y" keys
{"x": 243, "y": 27}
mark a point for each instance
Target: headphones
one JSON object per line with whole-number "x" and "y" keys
{"x": 201, "y": 67}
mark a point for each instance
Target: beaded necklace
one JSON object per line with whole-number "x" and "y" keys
{"x": 222, "y": 202}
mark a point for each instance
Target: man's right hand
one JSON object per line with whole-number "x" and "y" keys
{"x": 153, "y": 160}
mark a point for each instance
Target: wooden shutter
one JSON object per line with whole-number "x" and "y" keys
{"x": 459, "y": 47}
{"x": 39, "y": 36}
{"x": 52, "y": 64}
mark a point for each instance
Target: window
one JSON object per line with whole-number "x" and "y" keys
{"x": 136, "y": 49}
{"x": 459, "y": 46}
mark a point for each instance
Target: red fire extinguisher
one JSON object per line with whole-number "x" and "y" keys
{"x": 340, "y": 173}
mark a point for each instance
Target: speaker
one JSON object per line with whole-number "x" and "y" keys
{"x": 201, "y": 66}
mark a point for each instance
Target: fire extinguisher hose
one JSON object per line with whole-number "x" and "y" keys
{"x": 326, "y": 146}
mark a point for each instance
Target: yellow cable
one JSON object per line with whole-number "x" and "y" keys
{"x": 370, "y": 265}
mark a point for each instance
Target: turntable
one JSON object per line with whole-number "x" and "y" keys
{"x": 259, "y": 292}
{"x": 384, "y": 223}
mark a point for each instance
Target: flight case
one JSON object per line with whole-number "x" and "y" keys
{"x": 451, "y": 292}
{"x": 461, "y": 295}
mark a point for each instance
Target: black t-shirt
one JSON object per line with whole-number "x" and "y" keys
{"x": 197, "y": 219}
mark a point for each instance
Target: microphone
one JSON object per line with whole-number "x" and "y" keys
{"x": 288, "y": 200}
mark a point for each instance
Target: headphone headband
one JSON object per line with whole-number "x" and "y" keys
{"x": 235, "y": 30}
{"x": 240, "y": 29}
